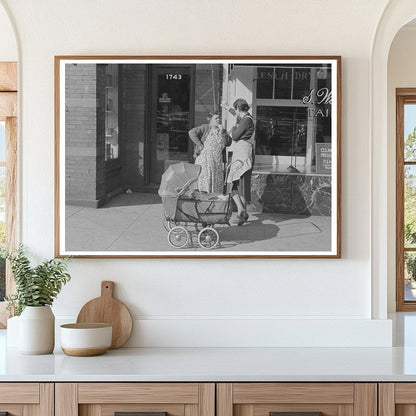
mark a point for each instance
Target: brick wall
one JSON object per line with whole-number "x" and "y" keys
{"x": 100, "y": 135}
{"x": 80, "y": 134}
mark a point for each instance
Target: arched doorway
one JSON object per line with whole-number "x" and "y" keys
{"x": 396, "y": 15}
{"x": 401, "y": 124}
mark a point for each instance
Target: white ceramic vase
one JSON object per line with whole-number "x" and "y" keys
{"x": 12, "y": 334}
{"x": 37, "y": 330}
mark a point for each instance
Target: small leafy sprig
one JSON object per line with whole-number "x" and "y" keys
{"x": 35, "y": 286}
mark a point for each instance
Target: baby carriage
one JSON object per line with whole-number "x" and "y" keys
{"x": 185, "y": 208}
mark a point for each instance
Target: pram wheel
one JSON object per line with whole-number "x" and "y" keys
{"x": 178, "y": 237}
{"x": 208, "y": 238}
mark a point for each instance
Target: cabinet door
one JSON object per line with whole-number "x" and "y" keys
{"x": 142, "y": 399}
{"x": 397, "y": 399}
{"x": 297, "y": 399}
{"x": 26, "y": 399}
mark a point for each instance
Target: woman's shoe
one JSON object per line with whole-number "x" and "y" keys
{"x": 242, "y": 218}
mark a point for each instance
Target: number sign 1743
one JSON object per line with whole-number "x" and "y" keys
{"x": 174, "y": 76}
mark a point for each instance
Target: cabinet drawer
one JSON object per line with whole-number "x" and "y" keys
{"x": 297, "y": 399}
{"x": 21, "y": 399}
{"x": 19, "y": 393}
{"x": 138, "y": 393}
{"x": 147, "y": 399}
{"x": 293, "y": 393}
{"x": 397, "y": 399}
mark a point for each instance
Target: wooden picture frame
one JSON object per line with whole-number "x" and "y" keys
{"x": 121, "y": 122}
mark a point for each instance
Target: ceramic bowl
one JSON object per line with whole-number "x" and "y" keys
{"x": 83, "y": 340}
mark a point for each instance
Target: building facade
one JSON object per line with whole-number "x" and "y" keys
{"x": 125, "y": 123}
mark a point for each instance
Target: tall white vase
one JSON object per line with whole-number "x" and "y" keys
{"x": 37, "y": 330}
{"x": 12, "y": 334}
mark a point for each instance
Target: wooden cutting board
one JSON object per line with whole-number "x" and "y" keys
{"x": 107, "y": 309}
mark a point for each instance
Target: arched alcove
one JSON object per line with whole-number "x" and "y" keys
{"x": 401, "y": 74}
{"x": 396, "y": 15}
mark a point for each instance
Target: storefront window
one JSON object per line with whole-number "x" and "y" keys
{"x": 301, "y": 82}
{"x": 111, "y": 113}
{"x": 297, "y": 110}
{"x": 283, "y": 83}
{"x": 291, "y": 83}
{"x": 265, "y": 82}
{"x": 281, "y": 130}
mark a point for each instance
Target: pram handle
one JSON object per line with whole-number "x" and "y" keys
{"x": 181, "y": 190}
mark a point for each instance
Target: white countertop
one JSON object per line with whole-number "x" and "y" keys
{"x": 222, "y": 364}
{"x": 215, "y": 364}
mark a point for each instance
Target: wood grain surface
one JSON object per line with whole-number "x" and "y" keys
{"x": 8, "y": 76}
{"x": 386, "y": 399}
{"x": 107, "y": 393}
{"x": 84, "y": 352}
{"x": 66, "y": 399}
{"x": 8, "y": 105}
{"x": 365, "y": 399}
{"x": 108, "y": 310}
{"x": 252, "y": 393}
{"x": 224, "y": 399}
{"x": 22, "y": 393}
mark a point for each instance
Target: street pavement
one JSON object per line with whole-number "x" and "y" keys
{"x": 134, "y": 222}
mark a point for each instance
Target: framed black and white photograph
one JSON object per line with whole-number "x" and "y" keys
{"x": 198, "y": 156}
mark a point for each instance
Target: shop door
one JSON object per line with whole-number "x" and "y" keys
{"x": 171, "y": 117}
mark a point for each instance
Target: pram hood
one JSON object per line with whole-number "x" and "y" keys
{"x": 176, "y": 180}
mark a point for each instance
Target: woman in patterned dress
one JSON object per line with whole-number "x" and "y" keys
{"x": 211, "y": 178}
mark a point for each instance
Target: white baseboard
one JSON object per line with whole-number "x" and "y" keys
{"x": 188, "y": 332}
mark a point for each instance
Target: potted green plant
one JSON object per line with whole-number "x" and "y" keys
{"x": 36, "y": 289}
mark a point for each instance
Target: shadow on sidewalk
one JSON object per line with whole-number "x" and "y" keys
{"x": 133, "y": 199}
{"x": 263, "y": 227}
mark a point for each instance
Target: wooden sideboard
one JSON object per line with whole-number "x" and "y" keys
{"x": 208, "y": 399}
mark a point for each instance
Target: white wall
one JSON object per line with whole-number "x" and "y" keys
{"x": 401, "y": 74}
{"x": 8, "y": 46}
{"x": 203, "y": 302}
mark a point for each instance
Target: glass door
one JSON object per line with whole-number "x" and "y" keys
{"x": 171, "y": 117}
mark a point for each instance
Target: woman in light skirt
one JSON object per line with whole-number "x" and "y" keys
{"x": 243, "y": 147}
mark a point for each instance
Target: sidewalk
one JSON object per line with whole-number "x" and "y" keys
{"x": 134, "y": 222}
